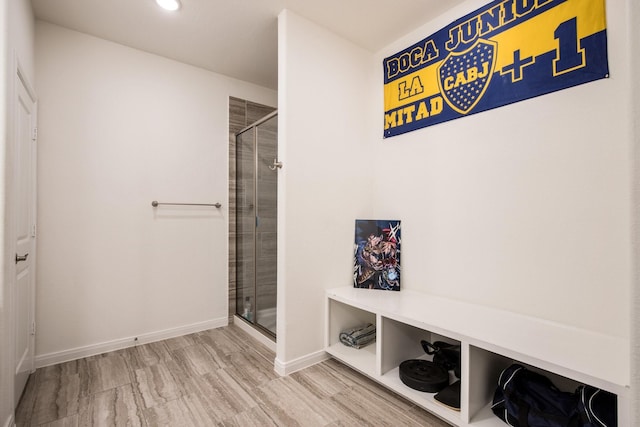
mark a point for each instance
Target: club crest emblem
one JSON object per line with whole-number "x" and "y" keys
{"x": 464, "y": 76}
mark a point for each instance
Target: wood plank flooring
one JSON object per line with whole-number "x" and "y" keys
{"x": 221, "y": 377}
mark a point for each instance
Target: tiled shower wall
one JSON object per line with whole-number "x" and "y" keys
{"x": 242, "y": 113}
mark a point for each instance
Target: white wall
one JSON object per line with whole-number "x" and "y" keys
{"x": 119, "y": 128}
{"x": 21, "y": 35}
{"x": 326, "y": 182}
{"x": 16, "y": 46}
{"x": 526, "y": 207}
{"x": 634, "y": 37}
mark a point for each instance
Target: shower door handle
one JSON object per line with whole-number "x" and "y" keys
{"x": 257, "y": 221}
{"x": 276, "y": 165}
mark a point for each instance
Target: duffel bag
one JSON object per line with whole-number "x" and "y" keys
{"x": 525, "y": 398}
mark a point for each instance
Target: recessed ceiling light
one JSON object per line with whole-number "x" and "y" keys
{"x": 169, "y": 4}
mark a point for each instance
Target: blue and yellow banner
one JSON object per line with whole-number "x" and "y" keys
{"x": 504, "y": 52}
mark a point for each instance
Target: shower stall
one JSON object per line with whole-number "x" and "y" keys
{"x": 256, "y": 223}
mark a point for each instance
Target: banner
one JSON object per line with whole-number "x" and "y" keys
{"x": 507, "y": 51}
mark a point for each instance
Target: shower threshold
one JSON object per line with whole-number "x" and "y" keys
{"x": 254, "y": 332}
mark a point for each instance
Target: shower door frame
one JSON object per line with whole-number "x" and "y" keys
{"x": 254, "y": 322}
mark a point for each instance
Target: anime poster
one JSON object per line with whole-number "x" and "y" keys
{"x": 377, "y": 255}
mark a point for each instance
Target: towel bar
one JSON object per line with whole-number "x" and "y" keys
{"x": 155, "y": 204}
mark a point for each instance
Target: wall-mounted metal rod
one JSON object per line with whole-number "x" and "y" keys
{"x": 156, "y": 204}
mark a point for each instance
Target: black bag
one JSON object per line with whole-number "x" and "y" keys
{"x": 528, "y": 399}
{"x": 444, "y": 354}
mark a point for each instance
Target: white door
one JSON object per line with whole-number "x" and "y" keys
{"x": 24, "y": 174}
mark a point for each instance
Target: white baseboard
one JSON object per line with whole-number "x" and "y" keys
{"x": 285, "y": 368}
{"x": 93, "y": 349}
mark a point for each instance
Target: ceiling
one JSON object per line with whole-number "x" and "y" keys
{"x": 237, "y": 38}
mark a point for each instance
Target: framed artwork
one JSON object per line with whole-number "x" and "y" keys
{"x": 377, "y": 254}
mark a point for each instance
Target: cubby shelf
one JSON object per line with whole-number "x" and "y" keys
{"x": 490, "y": 340}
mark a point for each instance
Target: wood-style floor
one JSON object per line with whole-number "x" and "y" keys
{"x": 220, "y": 377}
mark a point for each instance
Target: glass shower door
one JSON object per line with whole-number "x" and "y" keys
{"x": 245, "y": 224}
{"x": 256, "y": 224}
{"x": 266, "y": 224}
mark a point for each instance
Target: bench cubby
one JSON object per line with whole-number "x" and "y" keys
{"x": 490, "y": 341}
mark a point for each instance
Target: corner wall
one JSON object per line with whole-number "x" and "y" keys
{"x": 326, "y": 182}
{"x": 118, "y": 129}
{"x": 526, "y": 208}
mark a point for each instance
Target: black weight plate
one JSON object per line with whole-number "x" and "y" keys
{"x": 423, "y": 375}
